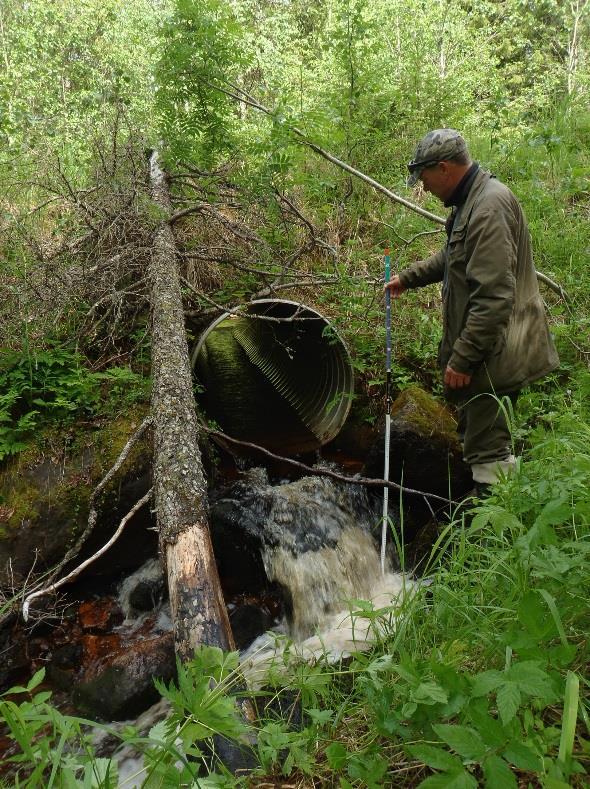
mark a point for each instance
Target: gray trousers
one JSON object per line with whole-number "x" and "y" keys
{"x": 485, "y": 434}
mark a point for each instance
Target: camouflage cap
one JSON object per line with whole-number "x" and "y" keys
{"x": 439, "y": 145}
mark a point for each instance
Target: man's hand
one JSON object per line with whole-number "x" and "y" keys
{"x": 395, "y": 287}
{"x": 455, "y": 380}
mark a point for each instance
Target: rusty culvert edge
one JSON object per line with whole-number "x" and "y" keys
{"x": 284, "y": 384}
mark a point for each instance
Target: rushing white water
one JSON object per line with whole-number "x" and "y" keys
{"x": 353, "y": 628}
{"x": 320, "y": 582}
{"x": 316, "y": 543}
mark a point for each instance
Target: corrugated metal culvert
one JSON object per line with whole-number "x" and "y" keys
{"x": 277, "y": 375}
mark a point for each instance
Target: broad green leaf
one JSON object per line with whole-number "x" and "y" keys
{"x": 508, "y": 701}
{"x": 497, "y": 774}
{"x": 530, "y": 679}
{"x": 462, "y": 739}
{"x": 36, "y": 679}
{"x": 522, "y": 756}
{"x": 454, "y": 780}
{"x": 434, "y": 757}
{"x": 367, "y": 767}
{"x": 490, "y": 730}
{"x": 554, "y": 513}
{"x": 42, "y": 697}
{"x": 336, "y": 754}
{"x": 486, "y": 682}
{"x": 409, "y": 709}
{"x": 159, "y": 732}
{"x": 532, "y": 612}
{"x": 430, "y": 693}
{"x": 320, "y": 717}
{"x": 555, "y": 783}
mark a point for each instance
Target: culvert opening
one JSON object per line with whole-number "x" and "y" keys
{"x": 277, "y": 375}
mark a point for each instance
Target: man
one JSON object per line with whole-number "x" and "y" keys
{"x": 495, "y": 333}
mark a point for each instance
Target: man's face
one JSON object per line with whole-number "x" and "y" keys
{"x": 437, "y": 180}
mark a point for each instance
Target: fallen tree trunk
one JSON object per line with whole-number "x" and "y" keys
{"x": 180, "y": 495}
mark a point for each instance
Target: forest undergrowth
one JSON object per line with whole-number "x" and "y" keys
{"x": 479, "y": 678}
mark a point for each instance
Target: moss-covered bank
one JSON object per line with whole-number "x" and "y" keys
{"x": 45, "y": 491}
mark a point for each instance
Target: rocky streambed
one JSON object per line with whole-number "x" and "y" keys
{"x": 290, "y": 550}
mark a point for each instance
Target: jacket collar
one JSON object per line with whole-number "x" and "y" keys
{"x": 480, "y": 180}
{"x": 461, "y": 191}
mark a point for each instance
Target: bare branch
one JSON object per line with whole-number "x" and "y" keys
{"x": 324, "y": 472}
{"x": 244, "y": 96}
{"x": 243, "y": 314}
{"x": 554, "y": 287}
{"x": 407, "y": 241}
{"x": 93, "y": 514}
{"x": 194, "y": 209}
{"x": 77, "y": 570}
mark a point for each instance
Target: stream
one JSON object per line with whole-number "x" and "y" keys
{"x": 293, "y": 555}
{"x": 317, "y": 546}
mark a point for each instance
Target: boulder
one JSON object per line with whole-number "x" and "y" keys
{"x": 123, "y": 686}
{"x": 44, "y": 498}
{"x": 144, "y": 590}
{"x": 425, "y": 452}
{"x": 252, "y": 517}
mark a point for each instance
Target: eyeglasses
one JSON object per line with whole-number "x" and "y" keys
{"x": 416, "y": 168}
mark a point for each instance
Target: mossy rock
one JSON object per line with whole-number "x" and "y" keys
{"x": 425, "y": 452}
{"x": 417, "y": 411}
{"x": 44, "y": 493}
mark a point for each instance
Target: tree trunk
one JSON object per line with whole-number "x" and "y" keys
{"x": 180, "y": 494}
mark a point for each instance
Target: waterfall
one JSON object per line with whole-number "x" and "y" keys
{"x": 318, "y": 541}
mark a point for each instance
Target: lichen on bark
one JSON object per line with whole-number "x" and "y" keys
{"x": 180, "y": 490}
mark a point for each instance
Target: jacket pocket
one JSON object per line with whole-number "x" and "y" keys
{"x": 456, "y": 244}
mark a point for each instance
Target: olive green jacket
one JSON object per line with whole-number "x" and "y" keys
{"x": 494, "y": 323}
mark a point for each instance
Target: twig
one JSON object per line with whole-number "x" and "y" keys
{"x": 554, "y": 287}
{"x": 242, "y": 314}
{"x": 245, "y": 97}
{"x": 193, "y": 209}
{"x": 324, "y": 472}
{"x": 307, "y": 223}
{"x": 77, "y": 570}
{"x": 407, "y": 241}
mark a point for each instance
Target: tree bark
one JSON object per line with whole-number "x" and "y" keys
{"x": 180, "y": 494}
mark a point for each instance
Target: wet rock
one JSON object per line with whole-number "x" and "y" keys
{"x": 45, "y": 494}
{"x": 15, "y": 663}
{"x": 353, "y": 443}
{"x": 125, "y": 686}
{"x": 146, "y": 596}
{"x": 144, "y": 589}
{"x": 68, "y": 656}
{"x": 313, "y": 537}
{"x": 248, "y": 622}
{"x": 300, "y": 516}
{"x": 98, "y": 648}
{"x": 425, "y": 453}
{"x": 100, "y": 615}
{"x": 252, "y": 517}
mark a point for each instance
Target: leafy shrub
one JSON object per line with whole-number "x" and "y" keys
{"x": 52, "y": 384}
